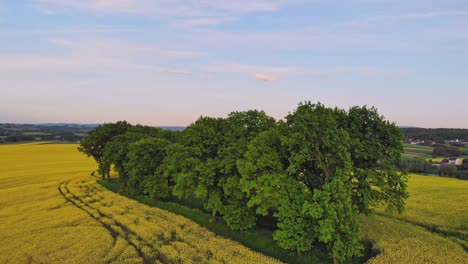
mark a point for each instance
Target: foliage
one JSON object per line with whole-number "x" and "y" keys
{"x": 415, "y": 165}
{"x": 95, "y": 142}
{"x": 144, "y": 160}
{"x": 314, "y": 173}
{"x": 376, "y": 147}
{"x": 448, "y": 170}
{"x": 240, "y": 129}
{"x": 195, "y": 163}
{"x": 116, "y": 150}
{"x": 445, "y": 151}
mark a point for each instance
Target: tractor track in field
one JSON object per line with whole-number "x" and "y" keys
{"x": 434, "y": 230}
{"x": 127, "y": 233}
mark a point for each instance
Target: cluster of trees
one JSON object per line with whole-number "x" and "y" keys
{"x": 445, "y": 151}
{"x": 314, "y": 172}
{"x": 451, "y": 170}
{"x": 416, "y": 165}
{"x": 439, "y": 135}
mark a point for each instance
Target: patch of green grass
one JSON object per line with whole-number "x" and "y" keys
{"x": 418, "y": 147}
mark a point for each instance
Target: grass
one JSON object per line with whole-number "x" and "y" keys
{"x": 417, "y": 151}
{"x": 428, "y": 148}
{"x": 53, "y": 211}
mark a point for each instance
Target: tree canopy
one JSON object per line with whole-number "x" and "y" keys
{"x": 314, "y": 172}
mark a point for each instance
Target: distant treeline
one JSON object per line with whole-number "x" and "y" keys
{"x": 314, "y": 172}
{"x": 15, "y": 133}
{"x": 435, "y": 134}
{"x": 416, "y": 165}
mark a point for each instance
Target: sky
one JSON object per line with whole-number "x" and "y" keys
{"x": 167, "y": 62}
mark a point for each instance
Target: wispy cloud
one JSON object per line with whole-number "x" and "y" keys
{"x": 408, "y": 16}
{"x": 265, "y": 77}
{"x": 121, "y": 48}
{"x": 96, "y": 57}
{"x": 203, "y": 21}
{"x": 295, "y": 39}
{"x": 272, "y": 73}
{"x": 178, "y": 8}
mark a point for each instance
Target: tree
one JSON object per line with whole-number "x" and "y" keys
{"x": 448, "y": 170}
{"x": 320, "y": 159}
{"x": 195, "y": 163}
{"x": 95, "y": 142}
{"x": 240, "y": 129}
{"x": 302, "y": 171}
{"x": 444, "y": 151}
{"x": 416, "y": 165}
{"x": 376, "y": 148}
{"x": 117, "y": 149}
{"x": 116, "y": 152}
{"x": 464, "y": 165}
{"x": 143, "y": 166}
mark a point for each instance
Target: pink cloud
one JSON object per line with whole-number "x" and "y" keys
{"x": 265, "y": 77}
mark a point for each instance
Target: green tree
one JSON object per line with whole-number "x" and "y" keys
{"x": 376, "y": 148}
{"x": 117, "y": 149}
{"x": 95, "y": 142}
{"x": 302, "y": 171}
{"x": 116, "y": 152}
{"x": 143, "y": 166}
{"x": 195, "y": 163}
{"x": 240, "y": 129}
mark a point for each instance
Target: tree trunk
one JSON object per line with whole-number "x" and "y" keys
{"x": 214, "y": 218}
{"x": 108, "y": 177}
{"x": 299, "y": 253}
{"x": 335, "y": 260}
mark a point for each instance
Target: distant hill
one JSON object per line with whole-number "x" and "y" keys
{"x": 68, "y": 124}
{"x": 175, "y": 128}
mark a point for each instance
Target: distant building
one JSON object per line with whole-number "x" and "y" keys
{"x": 454, "y": 161}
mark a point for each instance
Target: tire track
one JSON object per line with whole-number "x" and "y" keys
{"x": 128, "y": 234}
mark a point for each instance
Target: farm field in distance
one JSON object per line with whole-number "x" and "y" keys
{"x": 425, "y": 152}
{"x": 54, "y": 211}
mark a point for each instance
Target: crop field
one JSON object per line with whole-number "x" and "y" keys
{"x": 417, "y": 151}
{"x": 53, "y": 210}
{"x": 433, "y": 229}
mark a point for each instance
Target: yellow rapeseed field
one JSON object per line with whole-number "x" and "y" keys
{"x": 53, "y": 211}
{"x": 433, "y": 229}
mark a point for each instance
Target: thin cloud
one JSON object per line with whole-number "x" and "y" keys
{"x": 408, "y": 16}
{"x": 177, "y": 8}
{"x": 103, "y": 56}
{"x": 203, "y": 21}
{"x": 123, "y": 49}
{"x": 265, "y": 77}
{"x": 164, "y": 70}
{"x": 272, "y": 73}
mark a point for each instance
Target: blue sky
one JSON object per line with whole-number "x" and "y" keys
{"x": 166, "y": 62}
